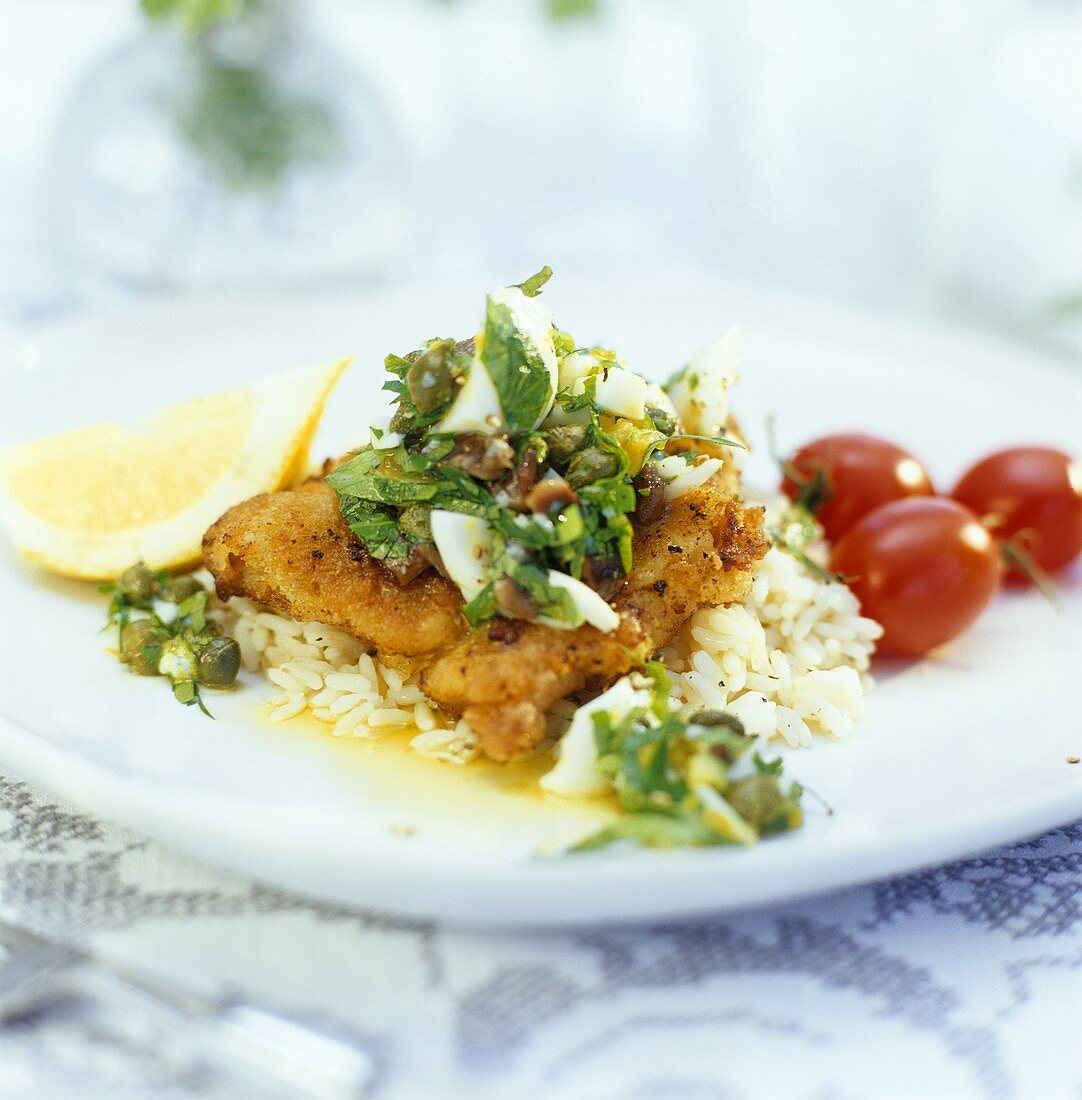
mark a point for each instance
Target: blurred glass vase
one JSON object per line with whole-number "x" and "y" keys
{"x": 249, "y": 152}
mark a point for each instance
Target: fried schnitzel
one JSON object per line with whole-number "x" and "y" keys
{"x": 293, "y": 551}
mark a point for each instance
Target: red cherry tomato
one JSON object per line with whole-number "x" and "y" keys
{"x": 861, "y": 472}
{"x": 1032, "y": 495}
{"x": 925, "y": 568}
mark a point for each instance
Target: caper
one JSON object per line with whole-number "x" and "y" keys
{"x": 649, "y": 495}
{"x": 756, "y": 799}
{"x": 565, "y": 439}
{"x": 430, "y": 380}
{"x": 140, "y": 646}
{"x": 591, "y": 465}
{"x": 662, "y": 419}
{"x": 718, "y": 718}
{"x": 218, "y": 663}
{"x": 415, "y": 521}
{"x": 210, "y": 630}
{"x": 180, "y": 588}
{"x": 137, "y": 583}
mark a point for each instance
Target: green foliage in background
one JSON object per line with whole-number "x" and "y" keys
{"x": 248, "y": 132}
{"x": 1066, "y": 307}
{"x": 572, "y": 9}
{"x": 197, "y": 15}
{"x": 244, "y": 128}
{"x": 194, "y": 15}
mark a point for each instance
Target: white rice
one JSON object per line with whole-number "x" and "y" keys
{"x": 322, "y": 672}
{"x": 790, "y": 662}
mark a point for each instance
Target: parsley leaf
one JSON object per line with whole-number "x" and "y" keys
{"x": 376, "y": 525}
{"x": 518, "y": 372}
{"x": 532, "y": 286}
{"x": 674, "y": 777}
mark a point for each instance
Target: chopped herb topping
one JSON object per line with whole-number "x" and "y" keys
{"x": 815, "y": 490}
{"x": 795, "y": 533}
{"x": 163, "y": 630}
{"x": 532, "y": 286}
{"x": 549, "y": 443}
{"x": 688, "y": 780}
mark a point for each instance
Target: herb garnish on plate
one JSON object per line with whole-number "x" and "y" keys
{"x": 163, "y": 630}
{"x": 549, "y": 448}
{"x": 686, "y": 780}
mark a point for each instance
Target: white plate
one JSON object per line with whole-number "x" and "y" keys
{"x": 958, "y": 753}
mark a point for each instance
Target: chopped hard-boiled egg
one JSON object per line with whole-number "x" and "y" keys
{"x": 383, "y": 439}
{"x": 618, "y": 391}
{"x": 657, "y": 398}
{"x": 465, "y": 546}
{"x": 700, "y": 391}
{"x": 588, "y": 603}
{"x": 575, "y": 773}
{"x": 622, "y": 393}
{"x": 476, "y": 407}
{"x": 533, "y": 319}
{"x": 575, "y": 367}
{"x": 681, "y": 476}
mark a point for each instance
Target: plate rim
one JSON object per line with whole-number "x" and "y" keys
{"x": 151, "y": 810}
{"x": 735, "y": 874}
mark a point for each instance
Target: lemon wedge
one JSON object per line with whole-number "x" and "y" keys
{"x": 89, "y": 503}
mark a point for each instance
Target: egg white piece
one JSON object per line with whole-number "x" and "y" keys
{"x": 465, "y": 545}
{"x": 575, "y": 367}
{"x": 618, "y": 390}
{"x": 622, "y": 393}
{"x": 587, "y": 602}
{"x": 575, "y": 774}
{"x": 657, "y": 397}
{"x": 380, "y": 435}
{"x": 700, "y": 391}
{"x": 476, "y": 407}
{"x": 681, "y": 477}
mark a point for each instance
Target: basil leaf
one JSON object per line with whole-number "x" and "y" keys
{"x": 376, "y": 525}
{"x": 518, "y": 372}
{"x": 532, "y": 286}
{"x": 482, "y": 607}
{"x": 425, "y": 459}
{"x": 376, "y": 475}
{"x": 654, "y": 829}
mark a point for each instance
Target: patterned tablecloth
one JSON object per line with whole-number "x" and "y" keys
{"x": 963, "y": 981}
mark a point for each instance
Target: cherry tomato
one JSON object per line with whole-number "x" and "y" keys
{"x": 925, "y": 568}
{"x": 861, "y": 472}
{"x": 1032, "y": 495}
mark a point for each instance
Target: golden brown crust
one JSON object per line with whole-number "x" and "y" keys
{"x": 293, "y": 552}
{"x": 504, "y": 680}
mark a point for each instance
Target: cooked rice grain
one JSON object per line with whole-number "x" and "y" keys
{"x": 790, "y": 662}
{"x": 322, "y": 671}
